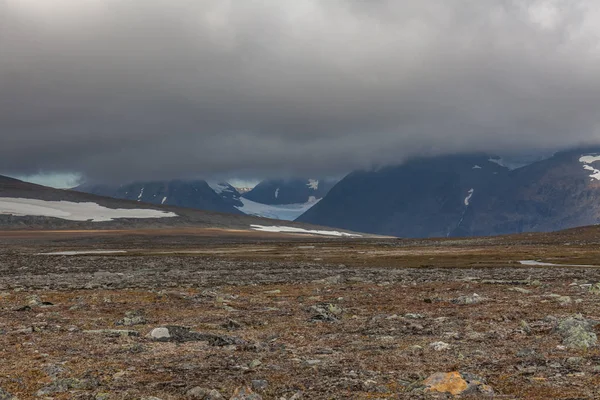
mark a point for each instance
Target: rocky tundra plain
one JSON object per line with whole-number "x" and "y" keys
{"x": 183, "y": 314}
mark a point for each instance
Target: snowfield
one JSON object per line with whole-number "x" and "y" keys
{"x": 586, "y": 160}
{"x": 84, "y": 252}
{"x": 289, "y": 229}
{"x": 73, "y": 211}
{"x": 286, "y": 212}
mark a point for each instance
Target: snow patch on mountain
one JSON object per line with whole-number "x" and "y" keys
{"x": 476, "y": 167}
{"x": 163, "y": 200}
{"x": 277, "y": 193}
{"x": 140, "y": 195}
{"x": 286, "y": 212}
{"x": 73, "y": 211}
{"x": 219, "y": 187}
{"x": 313, "y": 184}
{"x": 468, "y": 198}
{"x": 289, "y": 229}
{"x": 589, "y": 159}
{"x": 498, "y": 161}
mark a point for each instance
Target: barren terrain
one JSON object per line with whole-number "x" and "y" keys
{"x": 182, "y": 310}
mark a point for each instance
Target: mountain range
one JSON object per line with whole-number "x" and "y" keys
{"x": 466, "y": 195}
{"x": 277, "y": 199}
{"x": 442, "y": 196}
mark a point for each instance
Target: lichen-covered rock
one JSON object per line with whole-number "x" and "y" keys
{"x": 326, "y": 312}
{"x": 66, "y": 384}
{"x": 456, "y": 383}
{"x": 577, "y": 332}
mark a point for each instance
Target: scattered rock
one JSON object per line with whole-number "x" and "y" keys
{"x": 132, "y": 318}
{"x": 563, "y": 300}
{"x": 64, "y": 385}
{"x": 245, "y": 393}
{"x": 259, "y": 384}
{"x": 439, "y": 346}
{"x": 456, "y": 383}
{"x": 326, "y": 312}
{"x": 520, "y": 290}
{"x": 232, "y": 325}
{"x": 201, "y": 393}
{"x": 183, "y": 334}
{"x": 595, "y": 289}
{"x": 469, "y": 299}
{"x": 577, "y": 332}
{"x": 4, "y": 395}
{"x": 160, "y": 334}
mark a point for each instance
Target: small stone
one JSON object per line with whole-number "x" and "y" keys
{"x": 276, "y": 291}
{"x": 456, "y": 383}
{"x": 254, "y": 364}
{"x": 471, "y": 299}
{"x": 201, "y": 393}
{"x": 520, "y": 290}
{"x": 160, "y": 333}
{"x": 259, "y": 384}
{"x": 575, "y": 360}
{"x": 439, "y": 346}
{"x": 130, "y": 321}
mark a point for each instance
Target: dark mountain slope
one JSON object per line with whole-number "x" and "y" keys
{"x": 289, "y": 191}
{"x": 421, "y": 198}
{"x": 189, "y": 194}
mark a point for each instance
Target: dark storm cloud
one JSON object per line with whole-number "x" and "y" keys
{"x": 176, "y": 88}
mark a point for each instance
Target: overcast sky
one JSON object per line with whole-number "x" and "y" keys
{"x": 138, "y": 89}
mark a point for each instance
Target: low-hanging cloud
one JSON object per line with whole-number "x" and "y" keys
{"x": 136, "y": 89}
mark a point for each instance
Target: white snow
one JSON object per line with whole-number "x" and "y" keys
{"x": 85, "y": 252}
{"x": 140, "y": 195}
{"x": 476, "y": 167}
{"x": 218, "y": 187}
{"x": 286, "y": 212}
{"x": 468, "y": 198}
{"x": 498, "y": 161}
{"x": 73, "y": 211}
{"x": 163, "y": 200}
{"x": 313, "y": 184}
{"x": 277, "y": 193}
{"x": 588, "y": 160}
{"x": 545, "y": 264}
{"x": 289, "y": 229}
